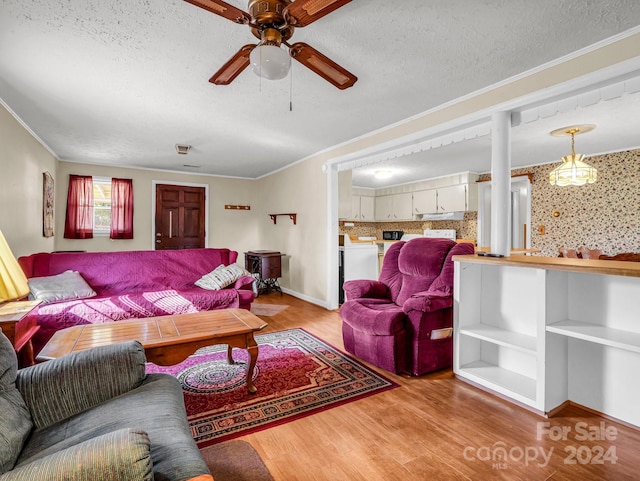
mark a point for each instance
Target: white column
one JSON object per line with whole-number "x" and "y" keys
{"x": 501, "y": 183}
{"x": 332, "y": 235}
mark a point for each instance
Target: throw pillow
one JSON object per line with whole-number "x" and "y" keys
{"x": 221, "y": 277}
{"x": 63, "y": 287}
{"x": 15, "y": 421}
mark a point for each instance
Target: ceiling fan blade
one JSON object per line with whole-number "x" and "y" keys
{"x": 223, "y": 9}
{"x": 322, "y": 65}
{"x": 234, "y": 67}
{"x": 304, "y": 12}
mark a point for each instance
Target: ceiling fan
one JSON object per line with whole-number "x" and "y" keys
{"x": 273, "y": 22}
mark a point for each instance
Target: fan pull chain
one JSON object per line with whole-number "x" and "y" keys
{"x": 291, "y": 89}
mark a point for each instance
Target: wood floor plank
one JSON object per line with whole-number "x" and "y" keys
{"x": 433, "y": 427}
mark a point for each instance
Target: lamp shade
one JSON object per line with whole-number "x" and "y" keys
{"x": 270, "y": 62}
{"x": 573, "y": 171}
{"x": 13, "y": 282}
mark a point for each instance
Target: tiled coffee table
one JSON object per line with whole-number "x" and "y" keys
{"x": 167, "y": 340}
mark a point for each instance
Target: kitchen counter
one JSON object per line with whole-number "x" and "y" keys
{"x": 586, "y": 266}
{"x": 543, "y": 331}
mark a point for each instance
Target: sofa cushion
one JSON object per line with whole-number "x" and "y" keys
{"x": 155, "y": 407}
{"x": 53, "y": 317}
{"x": 61, "y": 287}
{"x": 121, "y": 455}
{"x": 15, "y": 420}
{"x": 221, "y": 277}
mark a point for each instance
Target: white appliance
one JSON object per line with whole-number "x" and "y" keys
{"x": 443, "y": 233}
{"x": 360, "y": 259}
{"x": 408, "y": 237}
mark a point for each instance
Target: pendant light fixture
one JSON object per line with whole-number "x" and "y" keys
{"x": 573, "y": 170}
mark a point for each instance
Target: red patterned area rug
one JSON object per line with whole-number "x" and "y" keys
{"x": 296, "y": 374}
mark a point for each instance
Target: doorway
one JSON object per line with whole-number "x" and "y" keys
{"x": 179, "y": 217}
{"x": 520, "y": 233}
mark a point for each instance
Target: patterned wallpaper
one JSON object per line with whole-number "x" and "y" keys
{"x": 604, "y": 215}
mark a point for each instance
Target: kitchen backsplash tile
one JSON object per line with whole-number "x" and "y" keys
{"x": 465, "y": 229}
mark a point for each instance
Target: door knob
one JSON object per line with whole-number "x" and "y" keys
{"x": 158, "y": 241}
{"x": 158, "y": 234}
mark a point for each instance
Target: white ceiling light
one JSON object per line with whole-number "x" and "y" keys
{"x": 269, "y": 59}
{"x": 383, "y": 174}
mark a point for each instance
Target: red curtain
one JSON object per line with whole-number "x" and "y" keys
{"x": 121, "y": 209}
{"x": 79, "y": 220}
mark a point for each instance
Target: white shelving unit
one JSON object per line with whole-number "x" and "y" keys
{"x": 542, "y": 331}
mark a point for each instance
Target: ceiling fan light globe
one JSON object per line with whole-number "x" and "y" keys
{"x": 270, "y": 62}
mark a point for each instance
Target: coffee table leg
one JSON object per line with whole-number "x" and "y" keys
{"x": 252, "y": 349}
{"x": 230, "y": 355}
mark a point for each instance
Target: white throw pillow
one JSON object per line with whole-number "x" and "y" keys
{"x": 63, "y": 287}
{"x": 221, "y": 277}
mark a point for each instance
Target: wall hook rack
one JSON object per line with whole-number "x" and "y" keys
{"x": 291, "y": 216}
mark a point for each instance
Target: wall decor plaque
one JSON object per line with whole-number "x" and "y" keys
{"x": 47, "y": 204}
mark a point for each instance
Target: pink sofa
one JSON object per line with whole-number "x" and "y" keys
{"x": 134, "y": 284}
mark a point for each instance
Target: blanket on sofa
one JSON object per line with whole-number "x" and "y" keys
{"x": 134, "y": 284}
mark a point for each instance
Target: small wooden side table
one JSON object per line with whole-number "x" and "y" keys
{"x": 267, "y": 265}
{"x": 20, "y": 327}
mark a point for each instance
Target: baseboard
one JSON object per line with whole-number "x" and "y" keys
{"x": 554, "y": 412}
{"x": 304, "y": 297}
{"x": 603, "y": 415}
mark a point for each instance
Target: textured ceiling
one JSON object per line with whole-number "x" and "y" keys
{"x": 122, "y": 82}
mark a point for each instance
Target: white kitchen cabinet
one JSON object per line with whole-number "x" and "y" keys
{"x": 543, "y": 331}
{"x": 367, "y": 208}
{"x": 453, "y": 198}
{"x": 394, "y": 207}
{"x": 403, "y": 206}
{"x": 362, "y": 208}
{"x": 425, "y": 201}
{"x": 384, "y": 207}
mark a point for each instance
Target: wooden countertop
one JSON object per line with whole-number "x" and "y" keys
{"x": 586, "y": 266}
{"x": 513, "y": 251}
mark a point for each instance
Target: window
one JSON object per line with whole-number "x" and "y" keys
{"x": 101, "y": 206}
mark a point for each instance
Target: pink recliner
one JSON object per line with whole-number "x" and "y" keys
{"x": 391, "y": 322}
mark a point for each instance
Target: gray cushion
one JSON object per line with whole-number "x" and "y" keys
{"x": 121, "y": 455}
{"x": 156, "y": 407}
{"x": 15, "y": 420}
{"x": 62, "y": 287}
{"x": 60, "y": 388}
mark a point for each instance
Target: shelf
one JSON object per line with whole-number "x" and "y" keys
{"x": 291, "y": 216}
{"x": 598, "y": 334}
{"x": 502, "y": 337}
{"x": 501, "y": 380}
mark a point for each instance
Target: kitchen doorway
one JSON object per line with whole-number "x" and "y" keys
{"x": 180, "y": 216}
{"x": 520, "y": 221}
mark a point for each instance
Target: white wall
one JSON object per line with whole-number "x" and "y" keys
{"x": 238, "y": 230}
{"x": 23, "y": 160}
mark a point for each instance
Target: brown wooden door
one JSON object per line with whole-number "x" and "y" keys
{"x": 179, "y": 217}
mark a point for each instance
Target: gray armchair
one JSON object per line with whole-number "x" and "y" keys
{"x": 94, "y": 415}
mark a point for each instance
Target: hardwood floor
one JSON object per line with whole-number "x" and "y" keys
{"x": 436, "y": 427}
